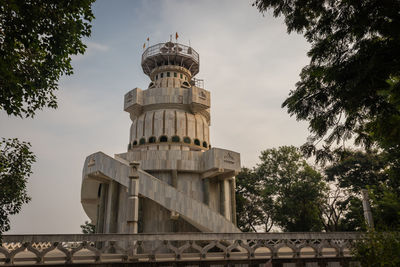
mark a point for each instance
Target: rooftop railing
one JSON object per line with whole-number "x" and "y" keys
{"x": 170, "y": 48}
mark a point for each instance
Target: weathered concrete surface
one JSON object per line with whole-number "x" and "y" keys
{"x": 102, "y": 168}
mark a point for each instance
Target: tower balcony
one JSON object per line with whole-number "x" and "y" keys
{"x": 170, "y": 53}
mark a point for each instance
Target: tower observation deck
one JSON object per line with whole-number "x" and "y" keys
{"x": 170, "y": 53}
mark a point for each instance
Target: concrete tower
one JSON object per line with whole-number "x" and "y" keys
{"x": 170, "y": 179}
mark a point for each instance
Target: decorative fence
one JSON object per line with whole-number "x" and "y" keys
{"x": 205, "y": 249}
{"x": 170, "y": 48}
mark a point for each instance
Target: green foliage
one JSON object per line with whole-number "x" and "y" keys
{"x": 15, "y": 167}
{"x": 283, "y": 187}
{"x": 36, "y": 41}
{"x": 294, "y": 187}
{"x": 356, "y": 170}
{"x": 385, "y": 202}
{"x": 251, "y": 210}
{"x": 88, "y": 228}
{"x": 379, "y": 249}
{"x": 350, "y": 88}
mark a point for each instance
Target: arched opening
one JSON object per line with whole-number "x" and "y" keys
{"x": 142, "y": 141}
{"x": 163, "y": 139}
{"x": 176, "y": 139}
{"x": 152, "y": 139}
{"x": 151, "y": 85}
{"x": 129, "y": 146}
{"x": 197, "y": 142}
{"x": 185, "y": 84}
{"x": 186, "y": 140}
{"x": 205, "y": 144}
{"x": 135, "y": 143}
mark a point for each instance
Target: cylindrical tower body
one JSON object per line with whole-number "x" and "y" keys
{"x": 171, "y": 115}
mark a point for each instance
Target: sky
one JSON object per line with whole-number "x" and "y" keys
{"x": 248, "y": 62}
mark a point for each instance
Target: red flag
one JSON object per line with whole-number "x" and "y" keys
{"x": 176, "y": 36}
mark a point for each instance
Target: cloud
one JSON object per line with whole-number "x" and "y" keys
{"x": 92, "y": 48}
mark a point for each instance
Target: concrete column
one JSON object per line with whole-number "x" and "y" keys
{"x": 100, "y": 225}
{"x": 228, "y": 207}
{"x": 367, "y": 208}
{"x": 133, "y": 199}
{"x": 114, "y": 205}
{"x": 232, "y": 186}
{"x": 101, "y": 213}
{"x": 222, "y": 199}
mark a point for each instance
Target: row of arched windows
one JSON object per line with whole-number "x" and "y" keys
{"x": 168, "y": 74}
{"x": 164, "y": 139}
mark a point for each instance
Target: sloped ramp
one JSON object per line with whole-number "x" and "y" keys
{"x": 100, "y": 166}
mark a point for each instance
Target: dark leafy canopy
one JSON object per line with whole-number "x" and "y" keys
{"x": 253, "y": 212}
{"x": 352, "y": 171}
{"x": 295, "y": 188}
{"x": 379, "y": 249}
{"x": 15, "y": 167}
{"x": 283, "y": 191}
{"x": 37, "y": 38}
{"x": 351, "y": 87}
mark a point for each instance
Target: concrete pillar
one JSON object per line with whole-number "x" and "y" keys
{"x": 367, "y": 208}
{"x": 114, "y": 205}
{"x": 222, "y": 199}
{"x": 101, "y": 213}
{"x": 101, "y": 210}
{"x": 133, "y": 199}
{"x": 232, "y": 186}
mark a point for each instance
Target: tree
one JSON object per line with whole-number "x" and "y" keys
{"x": 88, "y": 228}
{"x": 36, "y": 41}
{"x": 282, "y": 190}
{"x": 378, "y": 249}
{"x": 251, "y": 208}
{"x": 352, "y": 171}
{"x": 15, "y": 168}
{"x": 350, "y": 88}
{"x": 295, "y": 188}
